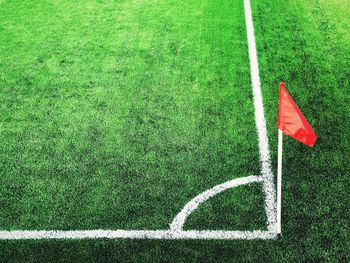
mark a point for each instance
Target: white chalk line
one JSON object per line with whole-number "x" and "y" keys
{"x": 135, "y": 234}
{"x": 175, "y": 231}
{"x": 266, "y": 171}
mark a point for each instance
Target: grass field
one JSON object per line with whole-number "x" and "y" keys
{"x": 114, "y": 114}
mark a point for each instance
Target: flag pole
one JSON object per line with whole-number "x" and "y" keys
{"x": 279, "y": 181}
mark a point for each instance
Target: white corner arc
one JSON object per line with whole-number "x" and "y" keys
{"x": 181, "y": 217}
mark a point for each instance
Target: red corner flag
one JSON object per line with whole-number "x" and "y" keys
{"x": 291, "y": 121}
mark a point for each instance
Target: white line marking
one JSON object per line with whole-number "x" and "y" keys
{"x": 266, "y": 170}
{"x": 176, "y": 231}
{"x": 180, "y": 219}
{"x": 135, "y": 234}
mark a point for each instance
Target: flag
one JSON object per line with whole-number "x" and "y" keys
{"x": 291, "y": 120}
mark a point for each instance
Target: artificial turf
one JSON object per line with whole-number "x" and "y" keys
{"x": 114, "y": 114}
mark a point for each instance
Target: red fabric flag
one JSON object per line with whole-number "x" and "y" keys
{"x": 291, "y": 120}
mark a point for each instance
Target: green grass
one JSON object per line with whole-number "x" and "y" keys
{"x": 114, "y": 114}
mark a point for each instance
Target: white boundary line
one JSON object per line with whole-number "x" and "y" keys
{"x": 175, "y": 231}
{"x": 136, "y": 234}
{"x": 266, "y": 170}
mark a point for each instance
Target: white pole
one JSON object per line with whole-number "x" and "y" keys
{"x": 279, "y": 181}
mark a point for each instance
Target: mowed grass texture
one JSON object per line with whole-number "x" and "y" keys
{"x": 116, "y": 114}
{"x": 204, "y": 87}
